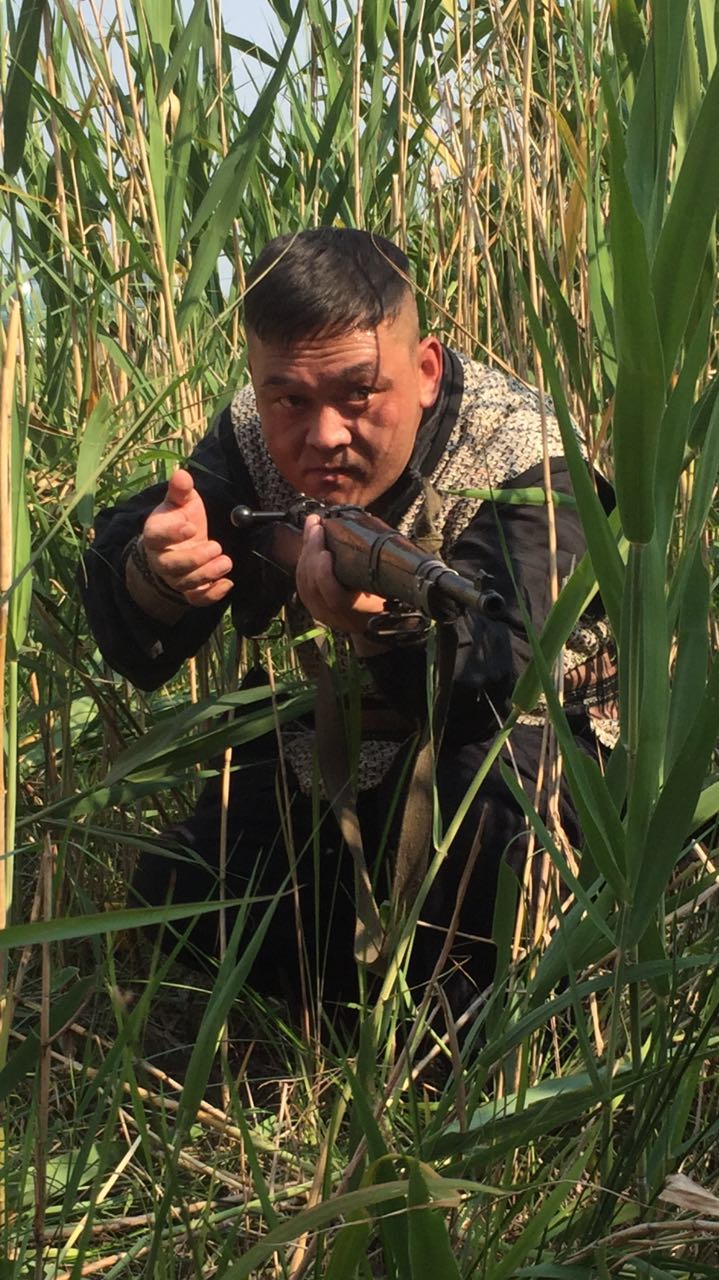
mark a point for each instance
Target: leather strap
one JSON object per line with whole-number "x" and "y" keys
{"x": 373, "y": 944}
{"x": 369, "y": 943}
{"x": 416, "y": 831}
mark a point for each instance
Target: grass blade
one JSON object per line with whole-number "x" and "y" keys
{"x": 687, "y": 231}
{"x": 16, "y": 99}
{"x": 640, "y": 383}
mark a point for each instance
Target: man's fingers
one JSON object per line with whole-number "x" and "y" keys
{"x": 327, "y": 599}
{"x": 325, "y": 589}
{"x": 165, "y": 529}
{"x": 209, "y": 572}
{"x": 195, "y": 575}
{"x": 210, "y": 593}
{"x": 182, "y": 558}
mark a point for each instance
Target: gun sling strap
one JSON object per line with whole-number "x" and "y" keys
{"x": 374, "y": 942}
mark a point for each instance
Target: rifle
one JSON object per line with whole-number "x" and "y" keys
{"x": 369, "y": 555}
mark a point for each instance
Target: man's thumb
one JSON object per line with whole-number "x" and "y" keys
{"x": 180, "y": 488}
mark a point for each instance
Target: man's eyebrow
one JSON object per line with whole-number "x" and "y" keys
{"x": 365, "y": 371}
{"x": 278, "y": 380}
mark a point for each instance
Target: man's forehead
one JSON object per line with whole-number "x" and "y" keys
{"x": 360, "y": 371}
{"x": 348, "y": 353}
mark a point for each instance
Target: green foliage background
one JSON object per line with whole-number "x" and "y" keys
{"x": 552, "y": 170}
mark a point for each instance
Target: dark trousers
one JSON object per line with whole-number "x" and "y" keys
{"x": 185, "y": 868}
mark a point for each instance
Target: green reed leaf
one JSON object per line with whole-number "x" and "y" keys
{"x": 16, "y": 98}
{"x": 232, "y": 975}
{"x": 692, "y": 655}
{"x": 707, "y": 806}
{"x": 640, "y": 383}
{"x": 676, "y": 427}
{"x": 224, "y": 194}
{"x": 87, "y": 155}
{"x": 560, "y": 862}
{"x": 568, "y": 329}
{"x": 629, "y": 32}
{"x": 180, "y": 156}
{"x": 176, "y": 738}
{"x": 574, "y": 597}
{"x": 63, "y": 928}
{"x": 671, "y": 820}
{"x": 649, "y": 133}
{"x": 685, "y": 236}
{"x": 93, "y": 441}
{"x": 349, "y": 1249}
{"x": 644, "y": 692}
{"x": 250, "y": 48}
{"x": 189, "y": 38}
{"x": 430, "y": 1251}
{"x": 707, "y": 24}
{"x": 602, "y": 547}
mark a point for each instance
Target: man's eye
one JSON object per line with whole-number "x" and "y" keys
{"x": 360, "y": 393}
{"x": 291, "y": 402}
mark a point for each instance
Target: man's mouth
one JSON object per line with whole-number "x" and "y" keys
{"x": 332, "y": 483}
{"x": 335, "y": 471}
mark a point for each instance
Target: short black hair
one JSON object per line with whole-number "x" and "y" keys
{"x": 325, "y": 280}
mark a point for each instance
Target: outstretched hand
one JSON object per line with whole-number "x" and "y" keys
{"x": 178, "y": 549}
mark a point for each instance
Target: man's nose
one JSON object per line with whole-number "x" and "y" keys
{"x": 329, "y": 429}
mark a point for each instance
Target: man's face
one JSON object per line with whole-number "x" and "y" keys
{"x": 340, "y": 412}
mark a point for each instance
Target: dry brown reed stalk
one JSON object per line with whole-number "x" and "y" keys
{"x": 127, "y": 1222}
{"x": 356, "y": 117}
{"x": 299, "y": 1259}
{"x": 73, "y": 1234}
{"x": 207, "y": 1115}
{"x": 99, "y": 1265}
{"x": 649, "y": 1235}
{"x": 237, "y": 265}
{"x": 535, "y": 214}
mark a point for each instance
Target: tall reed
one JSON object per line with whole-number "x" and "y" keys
{"x": 553, "y": 174}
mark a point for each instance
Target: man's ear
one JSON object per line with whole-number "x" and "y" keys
{"x": 431, "y": 364}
